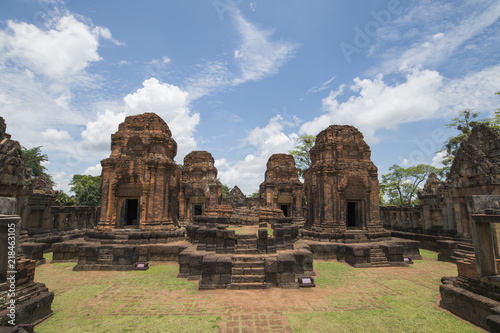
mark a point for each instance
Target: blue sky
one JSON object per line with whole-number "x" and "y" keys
{"x": 243, "y": 79}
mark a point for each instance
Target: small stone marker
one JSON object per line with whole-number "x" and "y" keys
{"x": 141, "y": 266}
{"x": 306, "y": 282}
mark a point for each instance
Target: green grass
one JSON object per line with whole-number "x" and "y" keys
{"x": 405, "y": 306}
{"x": 428, "y": 254}
{"x": 48, "y": 256}
{"x": 94, "y": 305}
{"x": 399, "y": 299}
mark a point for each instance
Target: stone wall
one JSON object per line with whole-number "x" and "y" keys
{"x": 199, "y": 187}
{"x": 342, "y": 183}
{"x": 474, "y": 172}
{"x": 139, "y": 180}
{"x": 282, "y": 188}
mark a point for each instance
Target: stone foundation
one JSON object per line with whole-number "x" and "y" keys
{"x": 33, "y": 300}
{"x": 471, "y": 300}
{"x": 246, "y": 271}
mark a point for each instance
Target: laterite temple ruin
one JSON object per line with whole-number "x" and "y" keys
{"x": 154, "y": 210}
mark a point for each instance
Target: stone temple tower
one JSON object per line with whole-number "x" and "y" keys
{"x": 139, "y": 179}
{"x": 341, "y": 185}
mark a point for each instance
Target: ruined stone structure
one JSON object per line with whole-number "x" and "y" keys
{"x": 341, "y": 185}
{"x": 139, "y": 179}
{"x": 475, "y": 171}
{"x": 36, "y": 214}
{"x": 32, "y": 300}
{"x": 13, "y": 172}
{"x": 282, "y": 188}
{"x": 235, "y": 197}
{"x": 199, "y": 187}
{"x": 437, "y": 209}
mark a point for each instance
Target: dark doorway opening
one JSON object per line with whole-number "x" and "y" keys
{"x": 198, "y": 210}
{"x": 131, "y": 211}
{"x": 286, "y": 210}
{"x": 352, "y": 215}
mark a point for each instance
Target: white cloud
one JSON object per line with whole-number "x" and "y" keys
{"x": 258, "y": 56}
{"x": 93, "y": 170}
{"x": 55, "y": 135}
{"x": 62, "y": 180}
{"x": 437, "y": 160}
{"x": 249, "y": 172}
{"x": 424, "y": 94}
{"x": 435, "y": 31}
{"x": 28, "y": 46}
{"x": 97, "y": 134}
{"x": 172, "y": 104}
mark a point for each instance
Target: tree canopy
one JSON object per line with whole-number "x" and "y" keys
{"x": 301, "y": 152}
{"x": 87, "y": 190}
{"x": 225, "y": 191}
{"x": 62, "y": 199}
{"x": 463, "y": 123}
{"x": 401, "y": 185}
{"x": 34, "y": 162}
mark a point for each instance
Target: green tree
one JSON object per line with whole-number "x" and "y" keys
{"x": 87, "y": 190}
{"x": 301, "y": 152}
{"x": 225, "y": 191}
{"x": 254, "y": 195}
{"x": 34, "y": 162}
{"x": 62, "y": 199}
{"x": 400, "y": 185}
{"x": 463, "y": 123}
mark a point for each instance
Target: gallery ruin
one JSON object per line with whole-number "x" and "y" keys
{"x": 155, "y": 210}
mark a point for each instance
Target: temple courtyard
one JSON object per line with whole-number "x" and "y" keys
{"x": 346, "y": 299}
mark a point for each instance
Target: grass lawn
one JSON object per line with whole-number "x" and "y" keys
{"x": 394, "y": 299}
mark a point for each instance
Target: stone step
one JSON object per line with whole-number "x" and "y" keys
{"x": 105, "y": 261}
{"x": 385, "y": 264}
{"x": 246, "y": 236}
{"x": 245, "y": 258}
{"x": 105, "y": 256}
{"x": 246, "y": 251}
{"x": 246, "y": 242}
{"x": 254, "y": 285}
{"x": 246, "y": 246}
{"x": 247, "y": 278}
{"x": 465, "y": 247}
{"x": 248, "y": 264}
{"x": 249, "y": 271}
{"x": 377, "y": 259}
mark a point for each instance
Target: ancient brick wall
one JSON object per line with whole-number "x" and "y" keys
{"x": 342, "y": 183}
{"x": 139, "y": 180}
{"x": 199, "y": 187}
{"x": 282, "y": 188}
{"x": 475, "y": 171}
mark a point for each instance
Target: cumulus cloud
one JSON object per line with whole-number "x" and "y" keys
{"x": 93, "y": 170}
{"x": 55, "y": 135}
{"x": 172, "y": 104}
{"x": 249, "y": 172}
{"x": 32, "y": 47}
{"x": 97, "y": 134}
{"x": 424, "y": 94}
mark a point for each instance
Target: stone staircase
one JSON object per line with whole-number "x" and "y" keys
{"x": 248, "y": 272}
{"x": 462, "y": 251}
{"x": 105, "y": 257}
{"x": 246, "y": 244}
{"x": 377, "y": 257}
